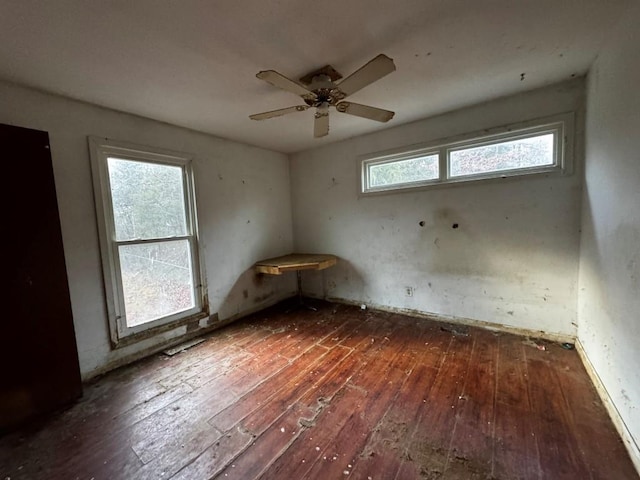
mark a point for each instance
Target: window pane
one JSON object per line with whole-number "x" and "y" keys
{"x": 404, "y": 171}
{"x": 148, "y": 199}
{"x": 521, "y": 153}
{"x": 157, "y": 280}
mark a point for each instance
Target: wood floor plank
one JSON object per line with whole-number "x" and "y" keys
{"x": 347, "y": 328}
{"x": 215, "y": 458}
{"x": 471, "y": 449}
{"x": 220, "y": 360}
{"x": 516, "y": 451}
{"x": 338, "y": 393}
{"x": 292, "y": 462}
{"x": 322, "y": 393}
{"x": 267, "y": 448}
{"x": 510, "y": 377}
{"x": 429, "y": 446}
{"x": 382, "y": 456}
{"x": 386, "y": 371}
{"x": 251, "y": 337}
{"x": 150, "y": 370}
{"x": 436, "y": 343}
{"x": 311, "y": 333}
{"x": 247, "y": 375}
{"x": 260, "y": 419}
{"x": 323, "y": 389}
{"x": 263, "y": 393}
{"x": 117, "y": 460}
{"x": 350, "y": 441}
{"x": 369, "y": 331}
{"x": 176, "y": 420}
{"x": 559, "y": 454}
{"x": 588, "y": 419}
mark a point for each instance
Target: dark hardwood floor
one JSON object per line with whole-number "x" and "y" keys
{"x": 338, "y": 393}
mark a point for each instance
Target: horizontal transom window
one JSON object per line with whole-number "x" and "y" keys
{"x": 408, "y": 169}
{"x": 540, "y": 146}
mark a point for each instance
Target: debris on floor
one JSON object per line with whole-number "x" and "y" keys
{"x": 170, "y": 352}
{"x": 530, "y": 343}
{"x": 458, "y": 331}
{"x": 568, "y": 346}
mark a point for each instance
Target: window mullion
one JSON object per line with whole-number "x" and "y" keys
{"x": 443, "y": 164}
{"x": 141, "y": 241}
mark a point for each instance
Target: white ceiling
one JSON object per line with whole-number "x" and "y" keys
{"x": 193, "y": 63}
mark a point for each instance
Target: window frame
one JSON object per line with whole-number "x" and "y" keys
{"x": 101, "y": 149}
{"x": 562, "y": 127}
{"x": 399, "y": 157}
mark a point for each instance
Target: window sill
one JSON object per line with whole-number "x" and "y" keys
{"x": 191, "y": 322}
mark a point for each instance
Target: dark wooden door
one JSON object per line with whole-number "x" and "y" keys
{"x": 39, "y": 369}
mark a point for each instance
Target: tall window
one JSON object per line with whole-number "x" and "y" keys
{"x": 146, "y": 209}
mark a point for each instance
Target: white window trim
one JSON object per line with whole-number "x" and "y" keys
{"x": 561, "y": 125}
{"x": 100, "y": 150}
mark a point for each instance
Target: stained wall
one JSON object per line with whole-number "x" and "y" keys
{"x": 243, "y": 203}
{"x": 513, "y": 258}
{"x": 609, "y": 285}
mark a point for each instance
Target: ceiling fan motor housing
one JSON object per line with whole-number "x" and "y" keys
{"x": 325, "y": 91}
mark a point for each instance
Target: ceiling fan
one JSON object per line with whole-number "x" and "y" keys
{"x": 319, "y": 89}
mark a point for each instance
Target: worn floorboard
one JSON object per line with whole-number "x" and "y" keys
{"x": 337, "y": 393}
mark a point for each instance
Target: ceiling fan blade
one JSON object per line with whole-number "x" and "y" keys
{"x": 367, "y": 74}
{"x": 321, "y": 125}
{"x": 278, "y": 80}
{"x": 365, "y": 111}
{"x": 278, "y": 113}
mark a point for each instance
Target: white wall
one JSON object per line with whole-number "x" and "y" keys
{"x": 609, "y": 299}
{"x": 242, "y": 195}
{"x": 513, "y": 260}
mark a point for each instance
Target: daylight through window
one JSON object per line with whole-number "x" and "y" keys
{"x": 147, "y": 236}
{"x": 421, "y": 168}
{"x": 534, "y": 148}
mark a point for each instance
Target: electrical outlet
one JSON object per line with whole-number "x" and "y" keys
{"x": 408, "y": 291}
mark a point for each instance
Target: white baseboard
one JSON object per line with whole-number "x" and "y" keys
{"x": 616, "y": 418}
